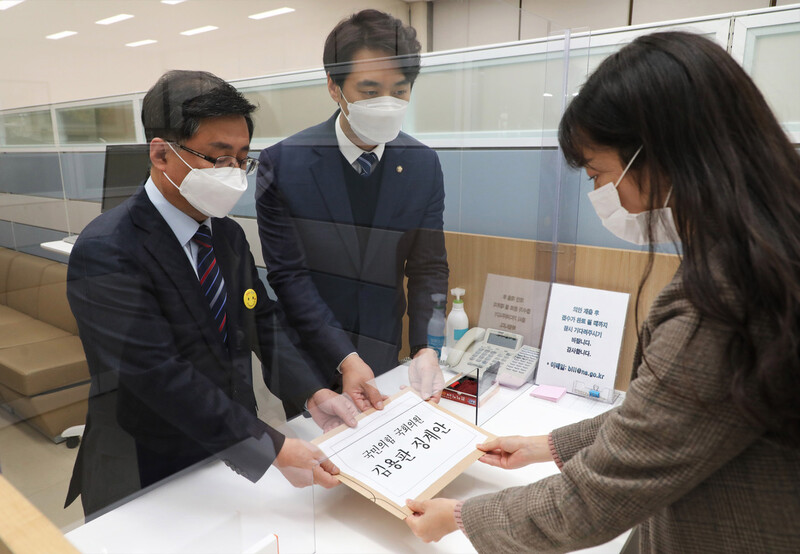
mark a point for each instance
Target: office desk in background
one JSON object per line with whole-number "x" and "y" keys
{"x": 212, "y": 509}
{"x": 60, "y": 246}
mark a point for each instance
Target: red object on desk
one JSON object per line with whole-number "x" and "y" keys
{"x": 465, "y": 391}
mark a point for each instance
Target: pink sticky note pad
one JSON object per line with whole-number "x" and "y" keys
{"x": 549, "y": 392}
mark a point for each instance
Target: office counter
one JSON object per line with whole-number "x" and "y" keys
{"x": 59, "y": 246}
{"x": 212, "y": 509}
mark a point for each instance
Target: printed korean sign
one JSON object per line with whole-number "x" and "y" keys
{"x": 582, "y": 340}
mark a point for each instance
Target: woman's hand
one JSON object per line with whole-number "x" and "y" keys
{"x": 515, "y": 452}
{"x": 432, "y": 519}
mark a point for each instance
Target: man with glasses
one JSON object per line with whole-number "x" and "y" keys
{"x": 169, "y": 308}
{"x": 350, "y": 211}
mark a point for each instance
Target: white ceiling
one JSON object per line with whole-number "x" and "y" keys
{"x": 96, "y": 62}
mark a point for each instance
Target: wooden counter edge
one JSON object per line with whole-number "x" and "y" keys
{"x": 24, "y": 529}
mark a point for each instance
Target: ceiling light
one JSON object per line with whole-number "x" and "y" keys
{"x": 141, "y": 43}
{"x": 199, "y": 30}
{"x": 172, "y": 2}
{"x": 62, "y": 34}
{"x": 271, "y": 13}
{"x": 114, "y": 19}
{"x": 5, "y": 4}
{"x": 547, "y": 95}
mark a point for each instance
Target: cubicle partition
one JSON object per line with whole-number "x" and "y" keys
{"x": 512, "y": 209}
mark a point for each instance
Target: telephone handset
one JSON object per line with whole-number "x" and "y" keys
{"x": 480, "y": 349}
{"x": 455, "y": 354}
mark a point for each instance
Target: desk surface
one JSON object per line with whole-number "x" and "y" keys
{"x": 59, "y": 246}
{"x": 212, "y": 509}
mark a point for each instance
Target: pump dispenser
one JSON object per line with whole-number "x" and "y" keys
{"x": 436, "y": 323}
{"x": 457, "y": 320}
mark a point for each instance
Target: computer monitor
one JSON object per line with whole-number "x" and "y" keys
{"x": 126, "y": 167}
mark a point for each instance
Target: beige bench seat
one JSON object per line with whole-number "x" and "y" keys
{"x": 43, "y": 372}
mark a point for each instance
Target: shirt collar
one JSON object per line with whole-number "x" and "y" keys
{"x": 350, "y": 151}
{"x": 183, "y": 226}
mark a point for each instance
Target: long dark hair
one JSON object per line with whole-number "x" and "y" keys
{"x": 709, "y": 136}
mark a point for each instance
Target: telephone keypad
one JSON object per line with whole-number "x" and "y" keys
{"x": 485, "y": 356}
{"x": 523, "y": 360}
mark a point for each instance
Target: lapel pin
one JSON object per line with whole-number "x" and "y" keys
{"x": 250, "y": 299}
{"x": 399, "y": 169}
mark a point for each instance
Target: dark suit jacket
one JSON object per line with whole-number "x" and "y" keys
{"x": 166, "y": 391}
{"x": 312, "y": 251}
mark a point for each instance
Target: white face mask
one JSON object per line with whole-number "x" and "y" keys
{"x": 213, "y": 191}
{"x": 632, "y": 227}
{"x": 376, "y": 120}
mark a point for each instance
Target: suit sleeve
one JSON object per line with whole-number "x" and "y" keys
{"x": 286, "y": 368}
{"x": 124, "y": 331}
{"x": 426, "y": 265}
{"x": 289, "y": 276}
{"x": 675, "y": 428}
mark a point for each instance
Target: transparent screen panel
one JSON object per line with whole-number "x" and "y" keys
{"x": 507, "y": 215}
{"x": 287, "y": 108}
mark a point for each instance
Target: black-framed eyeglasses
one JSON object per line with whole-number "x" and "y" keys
{"x": 249, "y": 165}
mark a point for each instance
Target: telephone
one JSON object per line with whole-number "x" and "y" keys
{"x": 482, "y": 350}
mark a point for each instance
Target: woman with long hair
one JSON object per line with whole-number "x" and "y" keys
{"x": 703, "y": 455}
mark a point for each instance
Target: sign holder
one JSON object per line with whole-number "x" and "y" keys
{"x": 582, "y": 341}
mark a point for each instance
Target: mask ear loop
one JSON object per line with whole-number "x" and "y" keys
{"x": 346, "y": 102}
{"x": 181, "y": 159}
{"x": 627, "y": 167}
{"x": 669, "y": 194}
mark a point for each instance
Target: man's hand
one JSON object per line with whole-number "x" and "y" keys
{"x": 425, "y": 375}
{"x": 432, "y": 519}
{"x": 358, "y": 382}
{"x": 304, "y": 464}
{"x": 515, "y": 452}
{"x": 329, "y": 410}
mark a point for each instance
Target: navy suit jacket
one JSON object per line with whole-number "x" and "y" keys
{"x": 310, "y": 245}
{"x": 166, "y": 391}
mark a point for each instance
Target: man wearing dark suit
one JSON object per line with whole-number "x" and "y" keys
{"x": 349, "y": 208}
{"x": 169, "y": 307}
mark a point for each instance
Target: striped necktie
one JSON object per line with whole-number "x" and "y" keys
{"x": 367, "y": 161}
{"x": 211, "y": 282}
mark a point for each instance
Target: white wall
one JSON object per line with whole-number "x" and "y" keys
{"x": 578, "y": 14}
{"x": 649, "y": 11}
{"x": 463, "y": 23}
{"x": 459, "y": 23}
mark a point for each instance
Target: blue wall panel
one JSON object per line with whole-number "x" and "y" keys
{"x": 491, "y": 192}
{"x": 35, "y": 173}
{"x": 83, "y": 175}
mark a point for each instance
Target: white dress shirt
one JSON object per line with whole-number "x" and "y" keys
{"x": 350, "y": 151}
{"x": 183, "y": 226}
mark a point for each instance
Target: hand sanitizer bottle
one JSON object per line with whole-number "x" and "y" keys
{"x": 457, "y": 320}
{"x": 436, "y": 323}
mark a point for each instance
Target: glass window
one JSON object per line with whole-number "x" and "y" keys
{"x": 288, "y": 108}
{"x": 27, "y": 128}
{"x": 105, "y": 123}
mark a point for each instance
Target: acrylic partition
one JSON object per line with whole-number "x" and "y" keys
{"x": 514, "y": 220}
